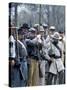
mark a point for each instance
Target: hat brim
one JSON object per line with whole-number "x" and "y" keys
{"x": 13, "y": 27}
{"x": 41, "y": 31}
{"x": 56, "y": 38}
{"x": 52, "y": 29}
{"x": 25, "y": 28}
{"x": 32, "y": 31}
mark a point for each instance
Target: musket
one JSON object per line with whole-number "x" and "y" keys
{"x": 40, "y": 14}
{"x": 39, "y": 29}
{"x": 17, "y": 56}
{"x": 39, "y": 56}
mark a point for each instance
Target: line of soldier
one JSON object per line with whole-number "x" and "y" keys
{"x": 37, "y": 57}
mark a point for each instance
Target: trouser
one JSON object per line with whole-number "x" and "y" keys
{"x": 50, "y": 78}
{"x": 42, "y": 79}
{"x": 33, "y": 79}
{"x": 14, "y": 75}
{"x": 47, "y": 66}
{"x": 61, "y": 76}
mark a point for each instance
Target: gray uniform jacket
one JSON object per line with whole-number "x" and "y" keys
{"x": 57, "y": 64}
{"x": 14, "y": 75}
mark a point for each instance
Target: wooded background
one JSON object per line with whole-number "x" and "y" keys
{"x": 32, "y": 13}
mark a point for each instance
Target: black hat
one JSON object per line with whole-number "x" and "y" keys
{"x": 25, "y": 26}
{"x": 61, "y": 32}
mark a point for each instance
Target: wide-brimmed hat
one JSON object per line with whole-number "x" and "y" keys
{"x": 32, "y": 29}
{"x": 52, "y": 28}
{"x": 56, "y": 35}
{"x": 36, "y": 25}
{"x": 45, "y": 25}
{"x": 13, "y": 27}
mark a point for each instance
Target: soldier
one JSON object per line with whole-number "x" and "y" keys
{"x": 62, "y": 42}
{"x": 46, "y": 48}
{"x": 18, "y": 63}
{"x": 45, "y": 57}
{"x": 40, "y": 38}
{"x": 32, "y": 48}
{"x": 51, "y": 31}
{"x": 56, "y": 65}
{"x": 24, "y": 30}
{"x": 23, "y": 57}
{"x": 12, "y": 55}
{"x": 11, "y": 59}
{"x": 42, "y": 62}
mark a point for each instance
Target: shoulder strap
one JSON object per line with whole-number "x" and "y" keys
{"x": 58, "y": 49}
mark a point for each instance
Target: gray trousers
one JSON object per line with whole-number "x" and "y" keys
{"x": 42, "y": 80}
{"x": 61, "y": 78}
